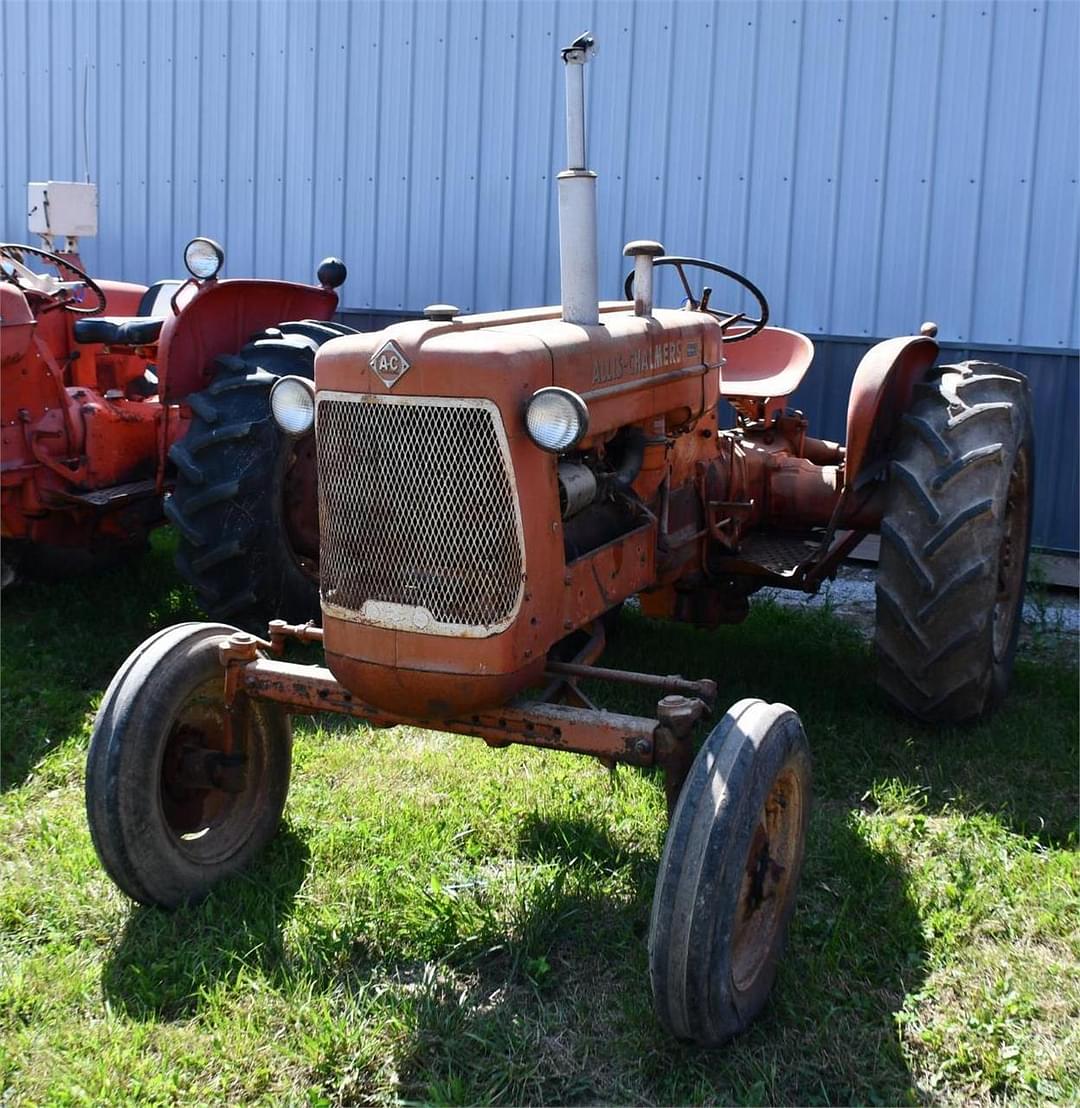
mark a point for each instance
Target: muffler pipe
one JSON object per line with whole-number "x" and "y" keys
{"x": 577, "y": 199}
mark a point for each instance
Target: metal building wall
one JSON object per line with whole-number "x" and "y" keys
{"x": 869, "y": 163}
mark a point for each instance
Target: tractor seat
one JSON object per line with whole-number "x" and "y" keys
{"x": 769, "y": 366}
{"x": 140, "y": 330}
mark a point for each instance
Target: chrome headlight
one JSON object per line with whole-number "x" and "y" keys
{"x": 556, "y": 419}
{"x": 203, "y": 258}
{"x": 292, "y": 402}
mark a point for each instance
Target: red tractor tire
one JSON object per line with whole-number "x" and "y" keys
{"x": 954, "y": 543}
{"x": 244, "y": 502}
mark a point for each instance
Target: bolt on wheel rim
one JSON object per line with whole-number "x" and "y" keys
{"x": 1010, "y": 563}
{"x": 767, "y": 881}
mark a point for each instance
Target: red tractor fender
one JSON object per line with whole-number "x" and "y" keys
{"x": 881, "y": 392}
{"x": 220, "y": 318}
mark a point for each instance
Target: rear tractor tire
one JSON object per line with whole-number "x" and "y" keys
{"x": 729, "y": 874}
{"x": 171, "y": 810}
{"x": 955, "y": 537}
{"x": 245, "y": 502}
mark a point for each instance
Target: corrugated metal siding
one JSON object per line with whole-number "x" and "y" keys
{"x": 1055, "y": 393}
{"x": 869, "y": 164}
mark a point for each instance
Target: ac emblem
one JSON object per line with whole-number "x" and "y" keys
{"x": 389, "y": 364}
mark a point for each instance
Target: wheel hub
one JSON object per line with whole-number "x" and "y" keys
{"x": 201, "y": 779}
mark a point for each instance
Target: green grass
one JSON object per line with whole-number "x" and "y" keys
{"x": 439, "y": 922}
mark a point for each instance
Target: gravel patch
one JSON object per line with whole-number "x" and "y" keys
{"x": 1054, "y": 612}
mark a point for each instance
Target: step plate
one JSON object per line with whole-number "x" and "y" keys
{"x": 114, "y": 494}
{"x": 778, "y": 554}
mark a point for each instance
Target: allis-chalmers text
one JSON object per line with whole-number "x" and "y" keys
{"x": 635, "y": 363}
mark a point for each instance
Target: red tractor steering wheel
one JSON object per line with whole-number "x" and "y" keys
{"x": 701, "y": 304}
{"x": 14, "y": 252}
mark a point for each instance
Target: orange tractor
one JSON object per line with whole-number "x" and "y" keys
{"x": 115, "y": 395}
{"x": 492, "y": 488}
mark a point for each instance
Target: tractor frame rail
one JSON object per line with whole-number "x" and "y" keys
{"x": 612, "y": 737}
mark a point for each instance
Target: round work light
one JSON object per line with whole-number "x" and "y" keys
{"x": 203, "y": 258}
{"x": 292, "y": 402}
{"x": 556, "y": 419}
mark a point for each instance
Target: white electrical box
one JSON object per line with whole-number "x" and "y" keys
{"x": 62, "y": 208}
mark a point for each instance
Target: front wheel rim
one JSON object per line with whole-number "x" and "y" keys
{"x": 768, "y": 879}
{"x": 208, "y": 795}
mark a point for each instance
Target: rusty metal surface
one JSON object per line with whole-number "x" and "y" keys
{"x": 1054, "y": 378}
{"x": 695, "y": 485}
{"x": 672, "y": 684}
{"x": 249, "y": 676}
{"x": 608, "y": 735}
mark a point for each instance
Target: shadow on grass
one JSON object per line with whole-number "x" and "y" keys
{"x": 165, "y": 963}
{"x": 62, "y": 642}
{"x": 576, "y": 840}
{"x": 585, "y": 1032}
{"x": 1019, "y": 764}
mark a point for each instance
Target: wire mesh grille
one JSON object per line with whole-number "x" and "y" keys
{"x": 417, "y": 513}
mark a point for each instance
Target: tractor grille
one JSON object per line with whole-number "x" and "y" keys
{"x": 419, "y": 520}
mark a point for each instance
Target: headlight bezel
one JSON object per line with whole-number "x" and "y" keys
{"x": 575, "y": 404}
{"x": 217, "y": 251}
{"x": 294, "y": 429}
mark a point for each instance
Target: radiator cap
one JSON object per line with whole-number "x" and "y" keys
{"x": 441, "y": 313}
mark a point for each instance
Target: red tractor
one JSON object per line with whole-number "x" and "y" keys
{"x": 115, "y": 395}
{"x": 492, "y": 488}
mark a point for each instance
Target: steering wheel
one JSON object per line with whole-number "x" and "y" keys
{"x": 45, "y": 284}
{"x": 695, "y": 304}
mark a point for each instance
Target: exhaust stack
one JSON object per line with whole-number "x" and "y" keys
{"x": 577, "y": 199}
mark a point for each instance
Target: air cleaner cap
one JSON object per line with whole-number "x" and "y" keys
{"x": 441, "y": 313}
{"x": 647, "y": 247}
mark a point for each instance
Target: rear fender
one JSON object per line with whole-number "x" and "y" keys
{"x": 220, "y": 318}
{"x": 881, "y": 393}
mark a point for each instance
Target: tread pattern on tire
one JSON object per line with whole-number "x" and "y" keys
{"x": 700, "y": 871}
{"x": 132, "y": 840}
{"x": 233, "y": 548}
{"x": 940, "y": 540}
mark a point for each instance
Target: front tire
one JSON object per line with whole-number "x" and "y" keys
{"x": 245, "y": 502}
{"x": 171, "y": 811}
{"x": 729, "y": 873}
{"x": 954, "y": 544}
